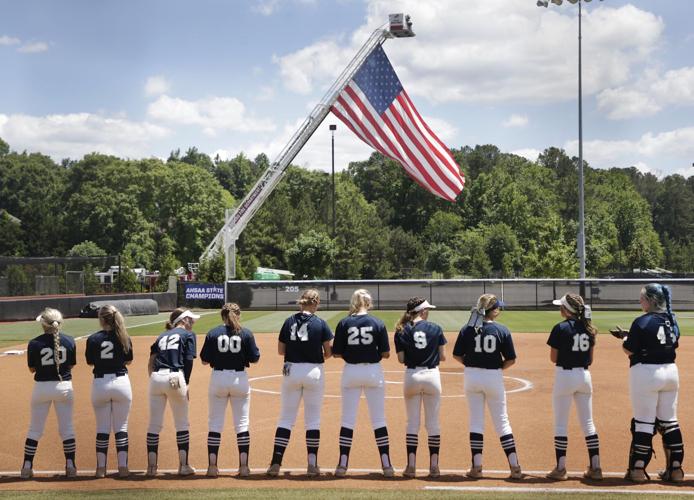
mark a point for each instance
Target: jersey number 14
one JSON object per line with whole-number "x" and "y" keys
{"x": 302, "y": 333}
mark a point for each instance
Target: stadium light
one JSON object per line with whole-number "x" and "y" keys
{"x": 581, "y": 210}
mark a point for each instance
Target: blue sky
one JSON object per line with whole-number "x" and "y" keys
{"x": 141, "y": 78}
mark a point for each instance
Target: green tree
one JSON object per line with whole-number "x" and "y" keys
{"x": 212, "y": 270}
{"x": 311, "y": 255}
{"x": 471, "y": 258}
{"x": 18, "y": 282}
{"x": 12, "y": 241}
{"x": 503, "y": 249}
{"x": 4, "y": 148}
{"x": 86, "y": 249}
{"x": 439, "y": 259}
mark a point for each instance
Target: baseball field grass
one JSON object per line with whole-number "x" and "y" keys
{"x": 18, "y": 333}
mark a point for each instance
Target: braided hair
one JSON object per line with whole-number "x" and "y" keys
{"x": 582, "y": 314}
{"x": 410, "y": 313}
{"x": 51, "y": 319}
{"x": 660, "y": 298}
{"x": 231, "y": 314}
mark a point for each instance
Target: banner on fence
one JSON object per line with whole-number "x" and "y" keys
{"x": 204, "y": 291}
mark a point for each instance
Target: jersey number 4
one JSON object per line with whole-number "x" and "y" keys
{"x": 47, "y": 356}
{"x": 581, "y": 342}
{"x": 363, "y": 335}
{"x": 229, "y": 344}
{"x": 302, "y": 333}
{"x": 169, "y": 343}
{"x": 662, "y": 337}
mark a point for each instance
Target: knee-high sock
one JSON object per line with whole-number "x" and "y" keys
{"x": 101, "y": 449}
{"x": 476, "y": 447}
{"x": 434, "y": 443}
{"x": 30, "y": 446}
{"x": 281, "y": 441}
{"x": 345, "y": 445}
{"x": 152, "y": 449}
{"x": 122, "y": 448}
{"x": 243, "y": 441}
{"x": 593, "y": 444}
{"x": 69, "y": 448}
{"x": 411, "y": 441}
{"x": 383, "y": 443}
{"x": 509, "y": 446}
{"x": 561, "y": 443}
{"x": 312, "y": 444}
{"x": 214, "y": 439}
{"x": 183, "y": 442}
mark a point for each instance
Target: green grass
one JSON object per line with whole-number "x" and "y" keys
{"x": 18, "y": 333}
{"x": 302, "y": 494}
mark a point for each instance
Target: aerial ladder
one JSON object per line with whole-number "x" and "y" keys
{"x": 399, "y": 26}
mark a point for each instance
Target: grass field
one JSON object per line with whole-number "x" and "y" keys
{"x": 17, "y": 333}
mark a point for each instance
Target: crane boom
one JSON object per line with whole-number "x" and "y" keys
{"x": 238, "y": 218}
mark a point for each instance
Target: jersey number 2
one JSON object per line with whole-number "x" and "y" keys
{"x": 47, "y": 356}
{"x": 107, "y": 349}
{"x": 356, "y": 336}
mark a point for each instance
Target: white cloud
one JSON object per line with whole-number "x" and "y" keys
{"x": 527, "y": 153}
{"x": 270, "y": 7}
{"x": 494, "y": 50}
{"x": 515, "y": 121}
{"x": 157, "y": 85}
{"x": 265, "y": 93}
{"x": 657, "y": 152}
{"x": 649, "y": 95}
{"x": 6, "y": 40}
{"x": 33, "y": 48}
{"x": 76, "y": 134}
{"x": 212, "y": 114}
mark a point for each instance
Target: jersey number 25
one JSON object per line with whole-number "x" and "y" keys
{"x": 363, "y": 335}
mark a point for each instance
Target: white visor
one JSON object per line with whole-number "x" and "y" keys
{"x": 422, "y": 306}
{"x": 39, "y": 318}
{"x": 563, "y": 302}
{"x": 185, "y": 314}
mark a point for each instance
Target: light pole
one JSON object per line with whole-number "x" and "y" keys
{"x": 581, "y": 212}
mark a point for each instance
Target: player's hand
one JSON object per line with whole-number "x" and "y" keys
{"x": 188, "y": 394}
{"x": 619, "y": 332}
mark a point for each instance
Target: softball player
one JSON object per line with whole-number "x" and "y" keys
{"x": 229, "y": 349}
{"x": 485, "y": 347}
{"x": 420, "y": 347}
{"x": 654, "y": 384}
{"x": 572, "y": 342}
{"x": 170, "y": 366}
{"x": 362, "y": 341}
{"x": 304, "y": 341}
{"x": 51, "y": 357}
{"x": 109, "y": 351}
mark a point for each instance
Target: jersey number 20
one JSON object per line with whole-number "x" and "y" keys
{"x": 356, "y": 336}
{"x": 47, "y": 356}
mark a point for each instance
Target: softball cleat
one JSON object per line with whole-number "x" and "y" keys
{"x": 516, "y": 473}
{"x": 26, "y": 473}
{"x": 595, "y": 474}
{"x": 100, "y": 472}
{"x": 123, "y": 472}
{"x": 388, "y": 472}
{"x": 312, "y": 470}
{"x": 672, "y": 475}
{"x": 636, "y": 475}
{"x": 185, "y": 470}
{"x": 474, "y": 472}
{"x": 212, "y": 471}
{"x": 151, "y": 470}
{"x": 410, "y": 471}
{"x": 434, "y": 471}
{"x": 70, "y": 471}
{"x": 557, "y": 474}
{"x": 244, "y": 471}
{"x": 273, "y": 470}
{"x": 340, "y": 471}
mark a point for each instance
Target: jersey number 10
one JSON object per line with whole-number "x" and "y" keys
{"x": 486, "y": 343}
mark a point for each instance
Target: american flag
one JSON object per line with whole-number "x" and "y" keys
{"x": 375, "y": 106}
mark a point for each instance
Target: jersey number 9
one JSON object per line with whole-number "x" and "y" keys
{"x": 420, "y": 340}
{"x": 229, "y": 344}
{"x": 47, "y": 356}
{"x": 361, "y": 335}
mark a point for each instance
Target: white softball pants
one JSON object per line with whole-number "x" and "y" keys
{"x": 653, "y": 390}
{"x": 111, "y": 398}
{"x": 161, "y": 391}
{"x": 367, "y": 377}
{"x": 482, "y": 386}
{"x": 229, "y": 386}
{"x": 422, "y": 386}
{"x": 47, "y": 393}
{"x": 305, "y": 380}
{"x": 575, "y": 384}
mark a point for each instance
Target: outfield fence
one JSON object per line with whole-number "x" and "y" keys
{"x": 528, "y": 294}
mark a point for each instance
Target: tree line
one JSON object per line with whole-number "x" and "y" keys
{"x": 515, "y": 218}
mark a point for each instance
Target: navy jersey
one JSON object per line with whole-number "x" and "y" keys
{"x": 105, "y": 352}
{"x": 653, "y": 340}
{"x": 487, "y": 349}
{"x": 361, "y": 339}
{"x": 303, "y": 335}
{"x": 573, "y": 343}
{"x": 41, "y": 357}
{"x": 225, "y": 350}
{"x": 420, "y": 342}
{"x": 172, "y": 348}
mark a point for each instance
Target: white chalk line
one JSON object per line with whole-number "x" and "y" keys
{"x": 557, "y": 491}
{"x": 526, "y": 385}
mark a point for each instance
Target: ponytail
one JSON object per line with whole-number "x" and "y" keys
{"x": 113, "y": 318}
{"x": 231, "y": 314}
{"x": 174, "y": 314}
{"x": 667, "y": 294}
{"x": 410, "y": 313}
{"x": 51, "y": 319}
{"x": 583, "y": 313}
{"x": 56, "y": 350}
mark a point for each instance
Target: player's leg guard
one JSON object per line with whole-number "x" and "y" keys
{"x": 641, "y": 449}
{"x": 122, "y": 448}
{"x": 214, "y": 439}
{"x": 561, "y": 443}
{"x": 346, "y": 435}
{"x": 383, "y": 443}
{"x": 674, "y": 449}
{"x": 243, "y": 441}
{"x": 101, "y": 451}
{"x": 281, "y": 442}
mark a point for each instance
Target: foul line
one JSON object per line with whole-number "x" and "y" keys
{"x": 556, "y": 491}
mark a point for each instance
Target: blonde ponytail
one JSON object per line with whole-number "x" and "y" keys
{"x": 231, "y": 313}
{"x": 114, "y": 319}
{"x": 51, "y": 319}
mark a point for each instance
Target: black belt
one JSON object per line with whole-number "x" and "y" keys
{"x": 117, "y": 374}
{"x": 413, "y": 367}
{"x": 228, "y": 370}
{"x": 572, "y": 367}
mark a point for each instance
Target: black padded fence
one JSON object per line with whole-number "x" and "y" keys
{"x": 622, "y": 294}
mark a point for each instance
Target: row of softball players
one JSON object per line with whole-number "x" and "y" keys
{"x": 484, "y": 346}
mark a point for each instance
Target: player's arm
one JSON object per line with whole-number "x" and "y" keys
{"x": 554, "y": 355}
{"x": 442, "y": 353}
{"x": 327, "y": 349}
{"x": 281, "y": 348}
{"x": 150, "y": 364}
{"x": 508, "y": 363}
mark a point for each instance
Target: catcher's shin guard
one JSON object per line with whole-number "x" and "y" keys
{"x": 672, "y": 444}
{"x": 641, "y": 449}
